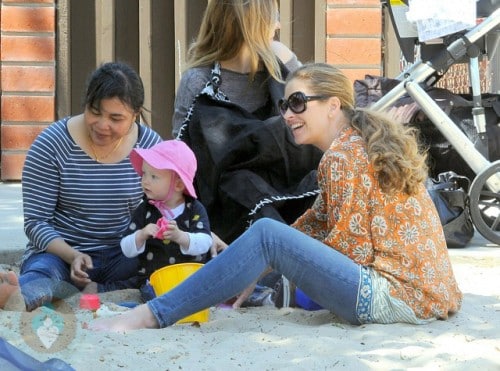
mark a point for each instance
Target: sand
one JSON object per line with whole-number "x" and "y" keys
{"x": 266, "y": 338}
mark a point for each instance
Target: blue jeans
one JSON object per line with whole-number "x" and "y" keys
{"x": 327, "y": 276}
{"x": 45, "y": 276}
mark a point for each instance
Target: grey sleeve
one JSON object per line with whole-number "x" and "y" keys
{"x": 293, "y": 63}
{"x": 191, "y": 83}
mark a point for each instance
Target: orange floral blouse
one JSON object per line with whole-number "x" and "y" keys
{"x": 399, "y": 236}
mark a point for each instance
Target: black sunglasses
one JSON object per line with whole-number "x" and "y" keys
{"x": 297, "y": 102}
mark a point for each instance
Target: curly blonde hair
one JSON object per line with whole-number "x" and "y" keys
{"x": 393, "y": 149}
{"x": 227, "y": 25}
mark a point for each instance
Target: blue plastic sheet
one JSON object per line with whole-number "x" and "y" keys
{"x": 13, "y": 359}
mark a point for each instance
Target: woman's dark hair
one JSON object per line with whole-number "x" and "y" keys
{"x": 114, "y": 80}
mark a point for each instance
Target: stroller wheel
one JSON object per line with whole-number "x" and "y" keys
{"x": 484, "y": 197}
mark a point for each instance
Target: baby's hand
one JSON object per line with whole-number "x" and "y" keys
{"x": 150, "y": 230}
{"x": 172, "y": 232}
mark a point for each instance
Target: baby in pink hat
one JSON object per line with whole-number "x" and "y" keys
{"x": 170, "y": 226}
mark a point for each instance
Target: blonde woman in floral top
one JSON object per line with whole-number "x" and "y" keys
{"x": 371, "y": 249}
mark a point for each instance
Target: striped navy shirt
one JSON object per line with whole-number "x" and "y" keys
{"x": 69, "y": 195}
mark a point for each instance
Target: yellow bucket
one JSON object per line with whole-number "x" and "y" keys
{"x": 166, "y": 278}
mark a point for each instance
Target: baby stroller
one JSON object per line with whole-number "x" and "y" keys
{"x": 466, "y": 46}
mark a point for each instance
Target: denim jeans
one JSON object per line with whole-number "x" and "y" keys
{"x": 45, "y": 276}
{"x": 327, "y": 276}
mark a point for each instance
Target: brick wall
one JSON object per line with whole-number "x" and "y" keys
{"x": 27, "y": 69}
{"x": 354, "y": 37}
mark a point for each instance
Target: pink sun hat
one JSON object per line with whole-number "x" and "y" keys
{"x": 172, "y": 155}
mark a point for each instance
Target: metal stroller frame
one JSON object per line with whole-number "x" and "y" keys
{"x": 484, "y": 192}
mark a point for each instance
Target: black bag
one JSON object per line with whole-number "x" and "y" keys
{"x": 449, "y": 192}
{"x": 249, "y": 166}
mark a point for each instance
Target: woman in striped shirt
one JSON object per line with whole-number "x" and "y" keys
{"x": 371, "y": 249}
{"x": 79, "y": 190}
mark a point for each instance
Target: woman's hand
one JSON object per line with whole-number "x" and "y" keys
{"x": 217, "y": 245}
{"x": 240, "y": 299}
{"x": 79, "y": 266}
{"x": 79, "y": 262}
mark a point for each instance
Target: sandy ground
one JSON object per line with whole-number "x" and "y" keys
{"x": 266, "y": 338}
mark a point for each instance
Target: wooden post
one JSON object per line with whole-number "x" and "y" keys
{"x": 105, "y": 31}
